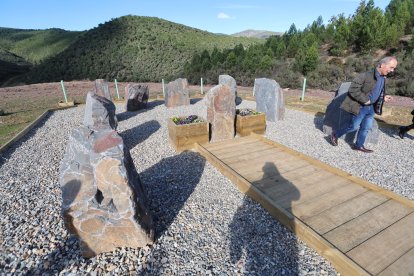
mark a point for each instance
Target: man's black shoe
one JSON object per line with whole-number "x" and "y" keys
{"x": 333, "y": 139}
{"x": 401, "y": 132}
{"x": 363, "y": 149}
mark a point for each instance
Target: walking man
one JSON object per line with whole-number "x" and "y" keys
{"x": 366, "y": 96}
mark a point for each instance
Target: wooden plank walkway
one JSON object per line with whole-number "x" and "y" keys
{"x": 359, "y": 227}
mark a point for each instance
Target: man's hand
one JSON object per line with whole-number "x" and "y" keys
{"x": 388, "y": 98}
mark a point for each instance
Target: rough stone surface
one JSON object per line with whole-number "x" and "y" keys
{"x": 136, "y": 97}
{"x": 102, "y": 88}
{"x": 336, "y": 118}
{"x": 231, "y": 82}
{"x": 177, "y": 93}
{"x": 103, "y": 200}
{"x": 269, "y": 99}
{"x": 99, "y": 112}
{"x": 221, "y": 112}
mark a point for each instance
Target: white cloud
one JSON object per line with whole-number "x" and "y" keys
{"x": 224, "y": 16}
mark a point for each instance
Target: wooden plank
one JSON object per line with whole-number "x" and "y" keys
{"x": 255, "y": 172}
{"x": 293, "y": 188}
{"x": 344, "y": 212}
{"x": 403, "y": 266}
{"x": 326, "y": 201}
{"x": 276, "y": 158}
{"x": 272, "y": 181}
{"x": 339, "y": 172}
{"x": 311, "y": 190}
{"x": 230, "y": 142}
{"x": 383, "y": 249}
{"x": 342, "y": 263}
{"x": 360, "y": 229}
{"x": 236, "y": 151}
{"x": 254, "y": 154}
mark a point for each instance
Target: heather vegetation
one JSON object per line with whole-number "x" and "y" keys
{"x": 148, "y": 49}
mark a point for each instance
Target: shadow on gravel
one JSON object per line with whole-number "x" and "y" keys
{"x": 129, "y": 114}
{"x": 168, "y": 185}
{"x": 140, "y": 133}
{"x": 259, "y": 243}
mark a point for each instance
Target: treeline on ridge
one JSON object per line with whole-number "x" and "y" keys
{"x": 326, "y": 55}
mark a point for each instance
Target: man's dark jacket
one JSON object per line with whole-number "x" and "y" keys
{"x": 358, "y": 93}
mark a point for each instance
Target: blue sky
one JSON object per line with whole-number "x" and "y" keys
{"x": 215, "y": 16}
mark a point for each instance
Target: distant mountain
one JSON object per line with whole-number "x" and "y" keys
{"x": 132, "y": 48}
{"x": 257, "y": 34}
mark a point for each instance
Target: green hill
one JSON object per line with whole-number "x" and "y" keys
{"x": 34, "y": 45}
{"x": 132, "y": 48}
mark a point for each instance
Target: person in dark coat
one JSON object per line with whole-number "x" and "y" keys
{"x": 404, "y": 129}
{"x": 365, "y": 97}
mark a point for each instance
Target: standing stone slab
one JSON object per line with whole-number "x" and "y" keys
{"x": 221, "y": 112}
{"x": 336, "y": 118}
{"x": 102, "y": 88}
{"x": 103, "y": 199}
{"x": 269, "y": 99}
{"x": 99, "y": 112}
{"x": 136, "y": 97}
{"x": 177, "y": 93}
{"x": 231, "y": 82}
{"x": 104, "y": 202}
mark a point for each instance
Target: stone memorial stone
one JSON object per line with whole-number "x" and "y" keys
{"x": 177, "y": 93}
{"x": 102, "y": 88}
{"x": 221, "y": 112}
{"x": 269, "y": 99}
{"x": 103, "y": 199}
{"x": 99, "y": 112}
{"x": 231, "y": 82}
{"x": 104, "y": 202}
{"x": 136, "y": 97}
{"x": 336, "y": 118}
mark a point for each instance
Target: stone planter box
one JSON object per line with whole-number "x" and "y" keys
{"x": 184, "y": 137}
{"x": 250, "y": 123}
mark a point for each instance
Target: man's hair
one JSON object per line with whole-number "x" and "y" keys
{"x": 385, "y": 60}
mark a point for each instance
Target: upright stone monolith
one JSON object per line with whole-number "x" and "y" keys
{"x": 269, "y": 99}
{"x": 104, "y": 203}
{"x": 177, "y": 93}
{"x": 336, "y": 118}
{"x": 231, "y": 82}
{"x": 99, "y": 112}
{"x": 136, "y": 97}
{"x": 221, "y": 112}
{"x": 102, "y": 88}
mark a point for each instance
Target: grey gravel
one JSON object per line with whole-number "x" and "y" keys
{"x": 204, "y": 224}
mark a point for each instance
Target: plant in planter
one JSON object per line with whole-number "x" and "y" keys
{"x": 184, "y": 132}
{"x": 249, "y": 120}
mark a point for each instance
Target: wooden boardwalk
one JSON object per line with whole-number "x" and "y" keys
{"x": 359, "y": 227}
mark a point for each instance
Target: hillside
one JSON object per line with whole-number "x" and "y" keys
{"x": 257, "y": 34}
{"x": 34, "y": 46}
{"x": 132, "y": 48}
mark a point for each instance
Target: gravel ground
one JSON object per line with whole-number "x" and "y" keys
{"x": 204, "y": 225}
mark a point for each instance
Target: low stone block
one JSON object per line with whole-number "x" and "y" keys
{"x": 136, "y": 97}
{"x": 177, "y": 93}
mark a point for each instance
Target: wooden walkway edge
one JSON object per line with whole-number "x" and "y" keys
{"x": 362, "y": 229}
